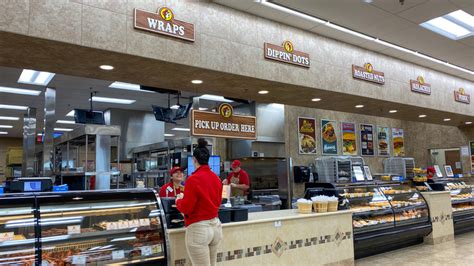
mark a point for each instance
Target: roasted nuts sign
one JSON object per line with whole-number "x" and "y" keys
{"x": 286, "y": 54}
{"x": 368, "y": 73}
{"x": 461, "y": 96}
{"x": 163, "y": 22}
{"x": 223, "y": 124}
{"x": 419, "y": 85}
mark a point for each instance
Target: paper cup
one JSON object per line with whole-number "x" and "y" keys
{"x": 320, "y": 206}
{"x": 332, "y": 206}
{"x": 304, "y": 208}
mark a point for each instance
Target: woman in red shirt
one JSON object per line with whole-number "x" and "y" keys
{"x": 200, "y": 206}
{"x": 174, "y": 187}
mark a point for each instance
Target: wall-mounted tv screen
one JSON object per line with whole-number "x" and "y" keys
{"x": 214, "y": 164}
{"x": 88, "y": 117}
{"x": 163, "y": 114}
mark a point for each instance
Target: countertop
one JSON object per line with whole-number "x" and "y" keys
{"x": 270, "y": 216}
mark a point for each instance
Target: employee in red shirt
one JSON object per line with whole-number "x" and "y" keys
{"x": 200, "y": 206}
{"x": 238, "y": 180}
{"x": 175, "y": 186}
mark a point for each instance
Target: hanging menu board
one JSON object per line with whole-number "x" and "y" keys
{"x": 398, "y": 142}
{"x": 367, "y": 140}
{"x": 329, "y": 137}
{"x": 349, "y": 141}
{"x": 306, "y": 135}
{"x": 383, "y": 141}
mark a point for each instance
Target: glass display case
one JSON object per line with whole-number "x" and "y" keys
{"x": 83, "y": 228}
{"x": 17, "y": 230}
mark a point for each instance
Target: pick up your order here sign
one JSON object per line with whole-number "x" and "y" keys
{"x": 214, "y": 125}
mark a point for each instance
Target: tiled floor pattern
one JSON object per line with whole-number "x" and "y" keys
{"x": 457, "y": 252}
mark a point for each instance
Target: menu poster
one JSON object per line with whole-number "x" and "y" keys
{"x": 358, "y": 173}
{"x": 306, "y": 135}
{"x": 398, "y": 142}
{"x": 329, "y": 137}
{"x": 367, "y": 140}
{"x": 471, "y": 148}
{"x": 438, "y": 171}
{"x": 349, "y": 142}
{"x": 448, "y": 170}
{"x": 368, "y": 174}
{"x": 383, "y": 141}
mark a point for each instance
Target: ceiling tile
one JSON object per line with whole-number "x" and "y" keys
{"x": 395, "y": 7}
{"x": 428, "y": 10}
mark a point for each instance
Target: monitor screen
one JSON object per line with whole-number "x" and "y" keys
{"x": 30, "y": 186}
{"x": 214, "y": 164}
{"x": 163, "y": 114}
{"x": 88, "y": 117}
{"x": 183, "y": 111}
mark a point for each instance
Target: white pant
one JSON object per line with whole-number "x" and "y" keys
{"x": 202, "y": 239}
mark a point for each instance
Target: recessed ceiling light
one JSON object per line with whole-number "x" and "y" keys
{"x": 263, "y": 92}
{"x": 196, "y": 81}
{"x": 71, "y": 113}
{"x": 392, "y": 111}
{"x": 34, "y": 77}
{"x": 447, "y": 119}
{"x": 316, "y": 99}
{"x": 203, "y": 108}
{"x": 359, "y": 106}
{"x": 215, "y": 98}
{"x": 175, "y": 107}
{"x": 180, "y": 129}
{"x": 106, "y": 67}
{"x": 112, "y": 100}
{"x": 468, "y": 123}
{"x": 3, "y": 133}
{"x": 19, "y": 91}
{"x": 462, "y": 17}
{"x": 63, "y": 129}
{"x": 6, "y": 126}
{"x": 422, "y": 116}
{"x": 169, "y": 135}
{"x": 10, "y": 118}
{"x": 13, "y": 107}
{"x": 65, "y": 122}
{"x": 127, "y": 86}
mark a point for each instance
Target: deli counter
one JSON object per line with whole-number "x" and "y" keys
{"x": 89, "y": 227}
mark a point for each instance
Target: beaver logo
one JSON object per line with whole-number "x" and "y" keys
{"x": 420, "y": 80}
{"x": 166, "y": 13}
{"x": 288, "y": 46}
{"x": 462, "y": 91}
{"x": 368, "y": 67}
{"x": 226, "y": 110}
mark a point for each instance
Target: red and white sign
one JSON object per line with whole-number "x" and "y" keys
{"x": 461, "y": 96}
{"x": 419, "y": 85}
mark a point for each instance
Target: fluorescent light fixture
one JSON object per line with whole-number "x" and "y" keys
{"x": 169, "y": 135}
{"x": 127, "y": 86}
{"x": 180, "y": 129}
{"x": 392, "y": 111}
{"x": 468, "y": 123}
{"x": 316, "y": 99}
{"x": 65, "y": 122}
{"x": 447, "y": 119}
{"x": 359, "y": 106}
{"x": 203, "y": 108}
{"x": 34, "y": 77}
{"x": 19, "y": 91}
{"x": 175, "y": 107}
{"x": 106, "y": 67}
{"x": 3, "y": 133}
{"x": 112, "y": 100}
{"x": 13, "y": 107}
{"x": 6, "y": 126}
{"x": 215, "y": 98}
{"x": 196, "y": 81}
{"x": 346, "y": 30}
{"x": 9, "y": 118}
{"x": 459, "y": 18}
{"x": 292, "y": 12}
{"x": 263, "y": 92}
{"x": 447, "y": 28}
{"x": 422, "y": 116}
{"x": 63, "y": 129}
{"x": 71, "y": 113}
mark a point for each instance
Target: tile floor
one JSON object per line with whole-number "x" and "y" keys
{"x": 457, "y": 252}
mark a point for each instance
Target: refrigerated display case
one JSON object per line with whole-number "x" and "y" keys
{"x": 88, "y": 228}
{"x": 386, "y": 215}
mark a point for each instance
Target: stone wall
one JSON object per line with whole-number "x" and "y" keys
{"x": 419, "y": 138}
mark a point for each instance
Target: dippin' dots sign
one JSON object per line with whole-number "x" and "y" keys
{"x": 286, "y": 54}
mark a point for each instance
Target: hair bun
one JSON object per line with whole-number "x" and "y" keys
{"x": 202, "y": 143}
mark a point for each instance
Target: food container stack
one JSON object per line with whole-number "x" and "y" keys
{"x": 332, "y": 204}
{"x": 304, "y": 206}
{"x": 320, "y": 203}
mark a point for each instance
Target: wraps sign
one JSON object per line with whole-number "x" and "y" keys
{"x": 329, "y": 137}
{"x": 286, "y": 54}
{"x": 163, "y": 22}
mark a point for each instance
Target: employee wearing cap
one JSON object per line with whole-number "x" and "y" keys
{"x": 174, "y": 187}
{"x": 238, "y": 180}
